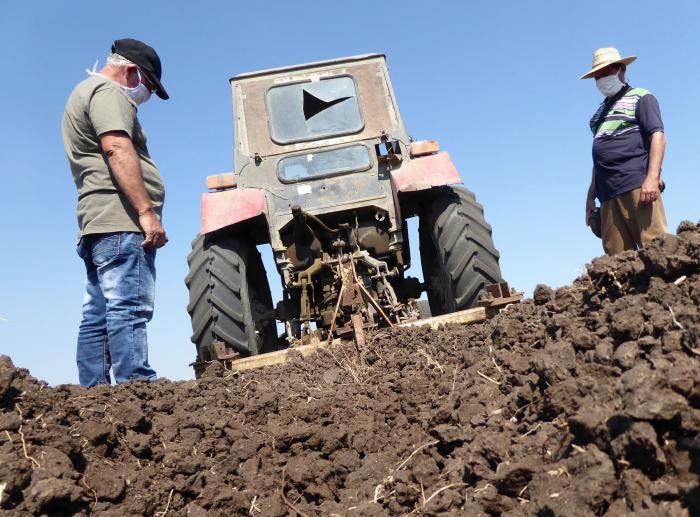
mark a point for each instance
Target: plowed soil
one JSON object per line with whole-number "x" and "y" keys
{"x": 583, "y": 401}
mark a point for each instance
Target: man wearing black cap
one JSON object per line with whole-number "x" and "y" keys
{"x": 120, "y": 200}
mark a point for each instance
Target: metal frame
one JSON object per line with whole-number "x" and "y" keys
{"x": 313, "y": 64}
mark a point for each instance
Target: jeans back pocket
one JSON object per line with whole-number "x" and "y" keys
{"x": 104, "y": 247}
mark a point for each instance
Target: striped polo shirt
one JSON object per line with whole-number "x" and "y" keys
{"x": 622, "y": 128}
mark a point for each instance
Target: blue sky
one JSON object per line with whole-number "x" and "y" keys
{"x": 494, "y": 82}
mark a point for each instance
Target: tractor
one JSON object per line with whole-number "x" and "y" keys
{"x": 326, "y": 174}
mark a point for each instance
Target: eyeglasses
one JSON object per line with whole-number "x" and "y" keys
{"x": 144, "y": 80}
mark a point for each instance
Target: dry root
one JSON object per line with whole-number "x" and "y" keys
{"x": 404, "y": 462}
{"x": 35, "y": 464}
{"x": 167, "y": 505}
{"x": 426, "y": 501}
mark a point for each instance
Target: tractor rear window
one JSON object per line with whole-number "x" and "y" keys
{"x": 314, "y": 109}
{"x": 324, "y": 163}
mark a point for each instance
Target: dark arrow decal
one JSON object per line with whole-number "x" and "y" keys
{"x": 313, "y": 105}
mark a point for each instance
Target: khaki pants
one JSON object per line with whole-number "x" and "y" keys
{"x": 628, "y": 225}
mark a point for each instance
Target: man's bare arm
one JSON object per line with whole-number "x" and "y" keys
{"x": 650, "y": 187}
{"x": 124, "y": 164}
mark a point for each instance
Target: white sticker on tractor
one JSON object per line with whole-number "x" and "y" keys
{"x": 303, "y": 190}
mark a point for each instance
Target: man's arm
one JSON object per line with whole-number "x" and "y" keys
{"x": 124, "y": 163}
{"x": 590, "y": 198}
{"x": 650, "y": 187}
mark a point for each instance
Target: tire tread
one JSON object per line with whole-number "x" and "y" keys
{"x": 227, "y": 285}
{"x": 457, "y": 241}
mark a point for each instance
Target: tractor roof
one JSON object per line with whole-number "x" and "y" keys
{"x": 314, "y": 64}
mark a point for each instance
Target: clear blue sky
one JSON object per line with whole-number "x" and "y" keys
{"x": 494, "y": 82}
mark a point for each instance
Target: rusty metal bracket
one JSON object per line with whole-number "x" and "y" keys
{"x": 335, "y": 314}
{"x": 497, "y": 297}
{"x": 219, "y": 352}
{"x": 373, "y": 302}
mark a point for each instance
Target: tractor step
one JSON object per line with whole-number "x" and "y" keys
{"x": 475, "y": 315}
{"x": 278, "y": 357}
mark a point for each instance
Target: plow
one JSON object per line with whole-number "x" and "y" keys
{"x": 356, "y": 310}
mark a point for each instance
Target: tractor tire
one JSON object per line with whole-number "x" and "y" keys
{"x": 230, "y": 298}
{"x": 457, "y": 252}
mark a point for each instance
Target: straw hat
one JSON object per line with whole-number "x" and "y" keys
{"x": 604, "y": 57}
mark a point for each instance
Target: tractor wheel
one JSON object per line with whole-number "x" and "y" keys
{"x": 230, "y": 297}
{"x": 457, "y": 252}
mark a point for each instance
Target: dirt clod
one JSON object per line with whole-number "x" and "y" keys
{"x": 583, "y": 401}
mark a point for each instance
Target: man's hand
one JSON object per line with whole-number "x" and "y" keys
{"x": 650, "y": 191}
{"x": 590, "y": 206}
{"x": 153, "y": 231}
{"x": 590, "y": 198}
{"x": 650, "y": 187}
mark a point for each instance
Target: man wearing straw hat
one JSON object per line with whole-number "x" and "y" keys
{"x": 628, "y": 150}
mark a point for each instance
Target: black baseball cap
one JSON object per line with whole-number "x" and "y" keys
{"x": 145, "y": 58}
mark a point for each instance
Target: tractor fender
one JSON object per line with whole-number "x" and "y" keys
{"x": 425, "y": 172}
{"x": 220, "y": 209}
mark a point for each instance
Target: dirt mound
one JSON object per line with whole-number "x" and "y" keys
{"x": 582, "y": 401}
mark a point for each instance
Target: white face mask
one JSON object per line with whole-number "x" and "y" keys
{"x": 609, "y": 85}
{"x": 139, "y": 94}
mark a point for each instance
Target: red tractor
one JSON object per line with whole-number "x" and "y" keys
{"x": 326, "y": 174}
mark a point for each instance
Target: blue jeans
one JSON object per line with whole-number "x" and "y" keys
{"x": 118, "y": 303}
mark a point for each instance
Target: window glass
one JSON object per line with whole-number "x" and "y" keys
{"x": 314, "y": 109}
{"x": 324, "y": 163}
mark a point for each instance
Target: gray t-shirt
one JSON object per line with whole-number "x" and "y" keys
{"x": 98, "y": 105}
